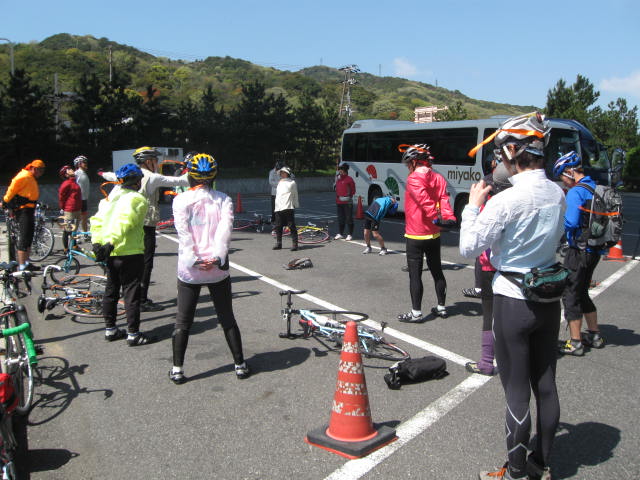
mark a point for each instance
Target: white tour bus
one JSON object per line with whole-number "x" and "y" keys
{"x": 370, "y": 147}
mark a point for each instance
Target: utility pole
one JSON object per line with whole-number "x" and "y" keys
{"x": 345, "y": 102}
{"x": 110, "y": 65}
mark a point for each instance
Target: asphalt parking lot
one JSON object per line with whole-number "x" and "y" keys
{"x": 108, "y": 410}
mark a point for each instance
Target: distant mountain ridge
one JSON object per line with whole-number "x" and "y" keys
{"x": 72, "y": 56}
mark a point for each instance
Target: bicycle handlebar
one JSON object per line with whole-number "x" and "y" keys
{"x": 28, "y": 339}
{"x": 294, "y": 292}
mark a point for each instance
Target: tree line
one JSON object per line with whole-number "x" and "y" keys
{"x": 105, "y": 115}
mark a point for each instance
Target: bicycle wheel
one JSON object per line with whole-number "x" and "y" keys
{"x": 311, "y": 235}
{"x": 42, "y": 245}
{"x": 19, "y": 368}
{"x": 380, "y": 348}
{"x": 241, "y": 224}
{"x": 90, "y": 306}
{"x": 69, "y": 265}
{"x": 336, "y": 314}
{"x": 85, "y": 281}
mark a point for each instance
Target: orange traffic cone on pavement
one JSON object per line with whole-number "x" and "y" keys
{"x": 351, "y": 432}
{"x": 359, "y": 212}
{"x": 615, "y": 253}
{"x": 238, "y": 204}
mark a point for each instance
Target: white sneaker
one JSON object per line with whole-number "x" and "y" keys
{"x": 366, "y": 250}
{"x": 349, "y": 238}
{"x": 383, "y": 251}
{"x": 337, "y": 237}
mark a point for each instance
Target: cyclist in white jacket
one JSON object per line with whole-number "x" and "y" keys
{"x": 204, "y": 221}
{"x": 147, "y": 159}
{"x": 286, "y": 203}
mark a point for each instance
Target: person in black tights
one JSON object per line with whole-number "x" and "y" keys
{"x": 522, "y": 226}
{"x": 204, "y": 221}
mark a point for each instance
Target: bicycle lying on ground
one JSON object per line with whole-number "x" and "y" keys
{"x": 43, "y": 239}
{"x": 20, "y": 358}
{"x": 328, "y": 324}
{"x": 257, "y": 223}
{"x": 309, "y": 233}
{"x": 80, "y": 294}
{"x": 69, "y": 263}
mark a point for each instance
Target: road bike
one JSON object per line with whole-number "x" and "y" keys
{"x": 20, "y": 357}
{"x": 80, "y": 294}
{"x": 330, "y": 325}
{"x": 43, "y": 239}
{"x": 309, "y": 233}
{"x": 69, "y": 263}
{"x": 257, "y": 223}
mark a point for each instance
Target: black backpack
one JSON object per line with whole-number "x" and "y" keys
{"x": 601, "y": 217}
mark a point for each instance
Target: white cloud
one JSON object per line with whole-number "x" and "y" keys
{"x": 629, "y": 85}
{"x": 404, "y": 68}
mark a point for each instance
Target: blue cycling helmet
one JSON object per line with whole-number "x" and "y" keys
{"x": 202, "y": 167}
{"x": 568, "y": 160}
{"x": 129, "y": 174}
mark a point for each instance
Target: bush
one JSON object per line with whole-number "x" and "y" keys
{"x": 631, "y": 171}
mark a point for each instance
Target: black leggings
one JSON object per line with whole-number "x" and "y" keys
{"x": 526, "y": 335}
{"x": 123, "y": 273}
{"x": 149, "y": 253}
{"x": 188, "y": 294}
{"x": 345, "y": 217}
{"x": 288, "y": 218}
{"x": 416, "y": 250}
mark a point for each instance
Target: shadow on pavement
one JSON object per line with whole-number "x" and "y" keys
{"x": 576, "y": 446}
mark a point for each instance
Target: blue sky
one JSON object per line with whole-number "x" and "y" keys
{"x": 511, "y": 52}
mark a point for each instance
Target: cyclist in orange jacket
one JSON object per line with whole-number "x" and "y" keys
{"x": 21, "y": 197}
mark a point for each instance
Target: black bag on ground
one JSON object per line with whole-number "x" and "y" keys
{"x": 298, "y": 264}
{"x": 415, "y": 370}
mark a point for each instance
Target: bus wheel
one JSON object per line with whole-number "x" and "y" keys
{"x": 461, "y": 202}
{"x": 374, "y": 192}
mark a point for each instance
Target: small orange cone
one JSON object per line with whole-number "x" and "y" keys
{"x": 359, "y": 212}
{"x": 351, "y": 432}
{"x": 615, "y": 253}
{"x": 238, "y": 204}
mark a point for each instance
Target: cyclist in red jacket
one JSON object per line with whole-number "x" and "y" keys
{"x": 345, "y": 190}
{"x": 70, "y": 200}
{"x": 427, "y": 208}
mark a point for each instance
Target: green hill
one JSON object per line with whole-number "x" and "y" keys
{"x": 72, "y": 56}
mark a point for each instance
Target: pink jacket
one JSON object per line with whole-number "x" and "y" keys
{"x": 425, "y": 190}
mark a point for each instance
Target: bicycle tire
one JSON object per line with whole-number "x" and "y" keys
{"x": 19, "y": 368}
{"x": 90, "y": 307}
{"x": 241, "y": 224}
{"x": 86, "y": 281}
{"x": 70, "y": 265}
{"x": 311, "y": 236}
{"x": 336, "y": 313}
{"x": 42, "y": 245}
{"x": 383, "y": 350}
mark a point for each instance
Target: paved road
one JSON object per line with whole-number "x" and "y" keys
{"x": 106, "y": 410}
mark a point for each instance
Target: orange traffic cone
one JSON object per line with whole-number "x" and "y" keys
{"x": 615, "y": 253}
{"x": 238, "y": 204}
{"x": 351, "y": 432}
{"x": 359, "y": 212}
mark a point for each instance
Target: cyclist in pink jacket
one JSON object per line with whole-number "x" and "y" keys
{"x": 204, "y": 221}
{"x": 427, "y": 209}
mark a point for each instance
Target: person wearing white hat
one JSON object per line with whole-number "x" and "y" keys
{"x": 286, "y": 203}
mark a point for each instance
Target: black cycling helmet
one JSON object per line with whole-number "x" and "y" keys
{"x": 129, "y": 174}
{"x": 344, "y": 166}
{"x": 414, "y": 154}
{"x": 145, "y": 153}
